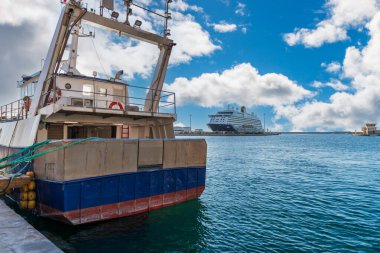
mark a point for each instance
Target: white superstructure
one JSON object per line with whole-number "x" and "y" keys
{"x": 59, "y": 102}
{"x": 232, "y": 120}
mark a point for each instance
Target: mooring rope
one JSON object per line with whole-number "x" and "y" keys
{"x": 28, "y": 157}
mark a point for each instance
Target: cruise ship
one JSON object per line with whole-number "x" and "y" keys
{"x": 233, "y": 120}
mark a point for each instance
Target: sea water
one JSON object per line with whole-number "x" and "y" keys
{"x": 286, "y": 193}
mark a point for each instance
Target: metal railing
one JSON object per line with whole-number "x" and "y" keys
{"x": 133, "y": 100}
{"x": 13, "y": 111}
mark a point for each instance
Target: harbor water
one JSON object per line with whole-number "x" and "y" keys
{"x": 287, "y": 193}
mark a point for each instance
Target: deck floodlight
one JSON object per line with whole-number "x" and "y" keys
{"x": 169, "y": 1}
{"x": 115, "y": 14}
{"x": 137, "y": 24}
{"x": 119, "y": 74}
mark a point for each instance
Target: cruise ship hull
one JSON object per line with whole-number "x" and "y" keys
{"x": 231, "y": 128}
{"x": 232, "y": 120}
{"x": 221, "y": 128}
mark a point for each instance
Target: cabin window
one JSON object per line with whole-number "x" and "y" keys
{"x": 23, "y": 92}
{"x": 55, "y": 132}
{"x": 88, "y": 89}
{"x": 28, "y": 90}
{"x": 81, "y": 132}
{"x": 103, "y": 92}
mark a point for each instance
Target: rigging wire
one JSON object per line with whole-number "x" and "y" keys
{"x": 97, "y": 55}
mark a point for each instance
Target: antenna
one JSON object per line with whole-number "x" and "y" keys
{"x": 168, "y": 16}
{"x": 128, "y": 4}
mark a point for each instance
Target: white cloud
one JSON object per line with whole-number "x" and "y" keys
{"x": 180, "y": 5}
{"x": 26, "y": 29}
{"x": 224, "y": 27}
{"x": 342, "y": 16}
{"x": 16, "y": 13}
{"x": 29, "y": 26}
{"x": 241, "y": 9}
{"x": 333, "y": 67}
{"x": 179, "y": 124}
{"x": 335, "y": 84}
{"x": 192, "y": 40}
{"x": 346, "y": 110}
{"x": 134, "y": 58}
{"x": 241, "y": 85}
{"x": 244, "y": 30}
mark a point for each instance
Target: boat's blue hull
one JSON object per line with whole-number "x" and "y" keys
{"x": 107, "y": 197}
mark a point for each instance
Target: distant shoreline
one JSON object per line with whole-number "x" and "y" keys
{"x": 266, "y": 134}
{"x": 317, "y": 132}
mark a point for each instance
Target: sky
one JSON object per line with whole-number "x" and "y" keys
{"x": 306, "y": 65}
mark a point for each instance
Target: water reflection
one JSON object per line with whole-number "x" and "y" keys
{"x": 179, "y": 228}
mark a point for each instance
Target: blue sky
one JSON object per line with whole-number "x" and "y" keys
{"x": 264, "y": 47}
{"x": 308, "y": 65}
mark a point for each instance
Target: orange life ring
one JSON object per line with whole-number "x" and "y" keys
{"x": 113, "y": 104}
{"x": 27, "y": 102}
{"x": 58, "y": 95}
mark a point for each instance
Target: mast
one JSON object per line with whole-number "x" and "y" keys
{"x": 51, "y": 60}
{"x": 69, "y": 22}
{"x": 73, "y": 55}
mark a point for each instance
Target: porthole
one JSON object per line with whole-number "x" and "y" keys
{"x": 67, "y": 86}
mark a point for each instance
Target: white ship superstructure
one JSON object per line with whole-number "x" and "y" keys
{"x": 232, "y": 120}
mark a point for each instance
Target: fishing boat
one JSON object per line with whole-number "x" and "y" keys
{"x": 98, "y": 148}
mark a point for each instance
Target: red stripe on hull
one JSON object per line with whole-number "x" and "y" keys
{"x": 142, "y": 205}
{"x": 109, "y": 211}
{"x": 181, "y": 196}
{"x": 200, "y": 190}
{"x": 121, "y": 209}
{"x": 156, "y": 202}
{"x": 191, "y": 194}
{"x": 169, "y": 199}
{"x": 127, "y": 208}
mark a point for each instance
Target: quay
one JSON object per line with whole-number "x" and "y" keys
{"x": 18, "y": 236}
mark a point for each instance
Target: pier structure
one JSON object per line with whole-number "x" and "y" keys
{"x": 18, "y": 236}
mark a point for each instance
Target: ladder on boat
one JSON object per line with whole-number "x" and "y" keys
{"x": 125, "y": 132}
